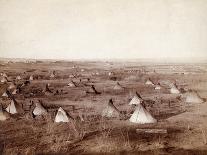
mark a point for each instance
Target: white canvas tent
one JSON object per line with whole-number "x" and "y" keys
{"x": 11, "y": 86}
{"x": 14, "y": 108}
{"x": 52, "y": 75}
{"x": 18, "y": 77}
{"x": 4, "y": 75}
{"x": 193, "y": 97}
{"x": 39, "y": 109}
{"x": 31, "y": 78}
{"x": 110, "y": 110}
{"x": 174, "y": 90}
{"x": 158, "y": 86}
{"x": 71, "y": 84}
{"x": 14, "y": 91}
{"x": 142, "y": 116}
{"x": 61, "y": 116}
{"x": 136, "y": 100}
{"x": 3, "y": 79}
{"x": 149, "y": 82}
{"x": 4, "y": 94}
{"x": 118, "y": 86}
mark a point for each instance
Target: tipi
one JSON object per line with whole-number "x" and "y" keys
{"x": 142, "y": 116}
{"x": 174, "y": 89}
{"x": 193, "y": 97}
{"x": 47, "y": 89}
{"x": 110, "y": 110}
{"x": 71, "y": 84}
{"x": 149, "y": 82}
{"x": 118, "y": 86}
{"x": 14, "y": 108}
{"x": 3, "y": 79}
{"x": 39, "y": 109}
{"x": 4, "y": 94}
{"x": 12, "y": 86}
{"x": 61, "y": 116}
{"x": 31, "y": 78}
{"x": 158, "y": 86}
{"x": 3, "y": 114}
{"x": 110, "y": 73}
{"x": 14, "y": 91}
{"x": 52, "y": 75}
{"x": 18, "y": 77}
{"x": 4, "y": 75}
{"x": 137, "y": 99}
{"x": 92, "y": 89}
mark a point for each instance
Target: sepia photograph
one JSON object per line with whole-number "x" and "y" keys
{"x": 103, "y": 77}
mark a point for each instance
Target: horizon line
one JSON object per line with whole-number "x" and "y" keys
{"x": 167, "y": 59}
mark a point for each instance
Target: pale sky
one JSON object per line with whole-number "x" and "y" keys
{"x": 89, "y": 29}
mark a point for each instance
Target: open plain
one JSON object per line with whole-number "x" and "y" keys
{"x": 88, "y": 132}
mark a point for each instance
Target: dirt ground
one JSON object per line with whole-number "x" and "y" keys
{"x": 186, "y": 124}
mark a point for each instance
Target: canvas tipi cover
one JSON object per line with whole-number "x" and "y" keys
{"x": 193, "y": 97}
{"x": 174, "y": 90}
{"x": 14, "y": 108}
{"x": 31, "y": 78}
{"x": 4, "y": 94}
{"x": 118, "y": 86}
{"x": 157, "y": 87}
{"x": 12, "y": 86}
{"x": 149, "y": 82}
{"x": 52, "y": 75}
{"x": 61, "y": 116}
{"x": 136, "y": 100}
{"x": 71, "y": 84}
{"x": 3, "y": 79}
{"x": 39, "y": 110}
{"x": 14, "y": 91}
{"x": 142, "y": 116}
{"x": 110, "y": 110}
{"x": 18, "y": 77}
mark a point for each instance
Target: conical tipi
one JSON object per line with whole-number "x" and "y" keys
{"x": 61, "y": 116}
{"x": 3, "y": 114}
{"x": 4, "y": 94}
{"x": 136, "y": 100}
{"x": 14, "y": 108}
{"x": 52, "y": 75}
{"x": 14, "y": 91}
{"x": 39, "y": 109}
{"x": 118, "y": 86}
{"x": 149, "y": 82}
{"x": 92, "y": 89}
{"x": 4, "y": 75}
{"x": 3, "y": 79}
{"x": 193, "y": 97}
{"x": 110, "y": 110}
{"x": 31, "y": 78}
{"x": 18, "y": 77}
{"x": 158, "y": 86}
{"x": 71, "y": 84}
{"x": 174, "y": 89}
{"x": 142, "y": 116}
{"x": 11, "y": 86}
